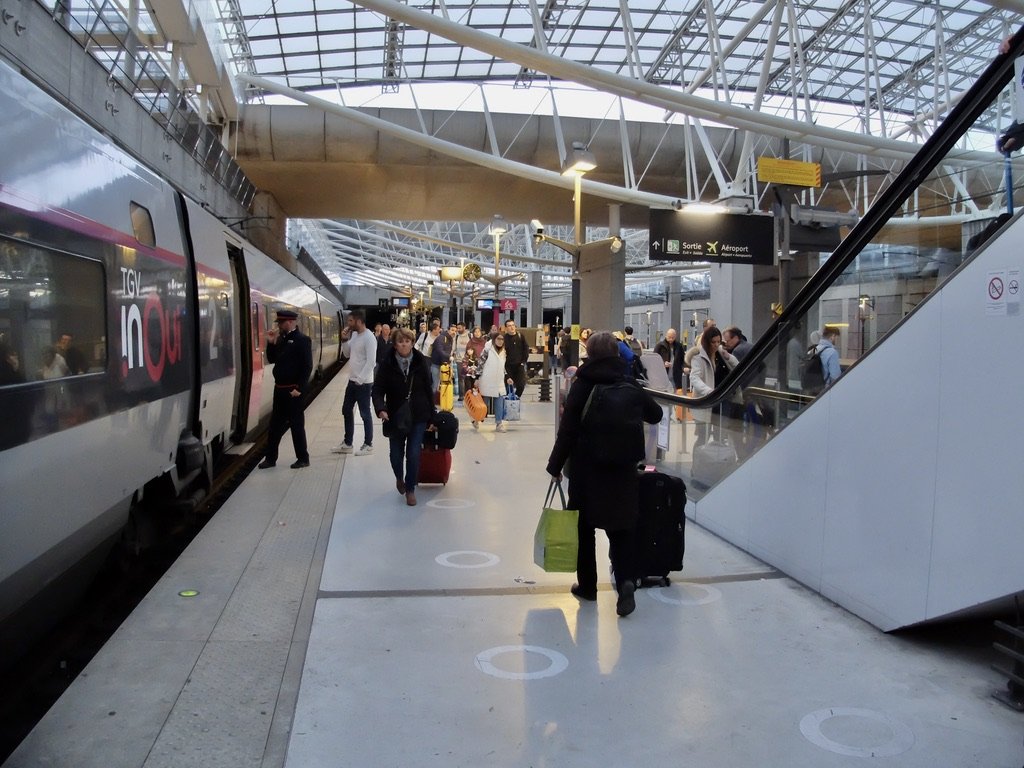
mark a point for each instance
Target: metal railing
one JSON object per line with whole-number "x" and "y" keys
{"x": 104, "y": 34}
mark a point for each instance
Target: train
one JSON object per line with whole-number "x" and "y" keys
{"x": 133, "y": 328}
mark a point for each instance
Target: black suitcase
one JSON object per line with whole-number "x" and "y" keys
{"x": 660, "y": 537}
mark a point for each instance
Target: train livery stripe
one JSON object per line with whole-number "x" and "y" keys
{"x": 69, "y": 220}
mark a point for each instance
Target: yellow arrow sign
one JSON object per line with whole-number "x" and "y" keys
{"x": 778, "y": 171}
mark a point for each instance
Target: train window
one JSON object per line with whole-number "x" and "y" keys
{"x": 52, "y": 310}
{"x": 142, "y": 224}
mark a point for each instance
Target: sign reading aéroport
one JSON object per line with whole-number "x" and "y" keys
{"x": 722, "y": 238}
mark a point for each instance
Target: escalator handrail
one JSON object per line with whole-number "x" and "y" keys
{"x": 966, "y": 112}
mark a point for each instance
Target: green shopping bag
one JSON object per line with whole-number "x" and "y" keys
{"x": 556, "y": 542}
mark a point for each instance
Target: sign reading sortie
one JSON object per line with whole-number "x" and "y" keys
{"x": 722, "y": 238}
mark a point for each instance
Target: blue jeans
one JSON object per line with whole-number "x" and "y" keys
{"x": 408, "y": 448}
{"x": 498, "y": 408}
{"x": 358, "y": 393}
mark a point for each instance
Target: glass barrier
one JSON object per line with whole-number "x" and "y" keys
{"x": 858, "y": 296}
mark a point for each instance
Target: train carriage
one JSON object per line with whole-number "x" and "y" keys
{"x": 132, "y": 329}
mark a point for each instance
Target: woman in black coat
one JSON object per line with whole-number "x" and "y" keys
{"x": 404, "y": 374}
{"x": 602, "y": 486}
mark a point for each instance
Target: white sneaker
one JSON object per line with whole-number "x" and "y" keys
{"x": 342, "y": 448}
{"x": 503, "y": 427}
{"x": 364, "y": 450}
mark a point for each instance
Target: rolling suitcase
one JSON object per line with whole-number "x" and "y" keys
{"x": 660, "y": 537}
{"x": 446, "y": 391}
{"x": 435, "y": 465}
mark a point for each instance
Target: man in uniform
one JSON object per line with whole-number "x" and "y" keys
{"x": 291, "y": 352}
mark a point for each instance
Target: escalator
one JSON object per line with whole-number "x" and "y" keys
{"x": 895, "y": 492}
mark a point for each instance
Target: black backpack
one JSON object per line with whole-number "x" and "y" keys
{"x": 447, "y": 432}
{"x": 812, "y": 374}
{"x": 613, "y": 424}
{"x": 637, "y": 369}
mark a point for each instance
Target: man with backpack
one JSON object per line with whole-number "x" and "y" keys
{"x": 821, "y": 368}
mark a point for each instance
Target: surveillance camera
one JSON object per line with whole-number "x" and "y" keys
{"x": 538, "y": 228}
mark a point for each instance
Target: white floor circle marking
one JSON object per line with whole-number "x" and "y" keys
{"x": 558, "y": 662}
{"x": 451, "y": 503}
{"x": 900, "y": 737}
{"x": 685, "y": 593}
{"x": 446, "y": 559}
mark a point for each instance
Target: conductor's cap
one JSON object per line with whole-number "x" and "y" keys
{"x": 286, "y": 314}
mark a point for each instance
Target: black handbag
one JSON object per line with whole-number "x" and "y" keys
{"x": 399, "y": 423}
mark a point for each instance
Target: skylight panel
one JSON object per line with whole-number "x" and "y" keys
{"x": 310, "y": 62}
{"x": 291, "y": 25}
{"x": 265, "y": 47}
{"x": 338, "y": 62}
{"x": 304, "y": 44}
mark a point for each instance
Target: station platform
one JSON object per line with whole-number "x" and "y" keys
{"x": 333, "y": 625}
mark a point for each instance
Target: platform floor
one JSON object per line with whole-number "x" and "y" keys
{"x": 336, "y": 626}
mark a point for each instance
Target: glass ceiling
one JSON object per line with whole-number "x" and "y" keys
{"x": 888, "y": 68}
{"x": 918, "y": 53}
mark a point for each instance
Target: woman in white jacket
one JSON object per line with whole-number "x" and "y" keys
{"x": 493, "y": 379}
{"x": 702, "y": 376}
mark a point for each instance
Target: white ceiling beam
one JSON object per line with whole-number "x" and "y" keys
{"x": 664, "y": 98}
{"x": 483, "y": 159}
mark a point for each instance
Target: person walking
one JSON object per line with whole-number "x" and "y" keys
{"x": 440, "y": 353}
{"x": 459, "y": 346}
{"x": 404, "y": 376}
{"x": 493, "y": 380}
{"x": 516, "y": 353}
{"x": 362, "y": 353}
{"x": 291, "y": 353}
{"x": 829, "y": 355}
{"x": 604, "y": 484}
{"x": 711, "y": 359}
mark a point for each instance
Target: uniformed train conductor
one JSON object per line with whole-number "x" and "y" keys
{"x": 291, "y": 352}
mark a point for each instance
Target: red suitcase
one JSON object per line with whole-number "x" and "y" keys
{"x": 435, "y": 465}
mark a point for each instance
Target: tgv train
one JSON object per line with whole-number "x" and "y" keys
{"x": 132, "y": 333}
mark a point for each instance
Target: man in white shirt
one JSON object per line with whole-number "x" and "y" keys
{"x": 360, "y": 345}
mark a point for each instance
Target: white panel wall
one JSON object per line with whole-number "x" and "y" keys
{"x": 900, "y": 493}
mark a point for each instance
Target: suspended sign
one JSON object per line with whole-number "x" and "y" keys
{"x": 793, "y": 172}
{"x": 721, "y": 238}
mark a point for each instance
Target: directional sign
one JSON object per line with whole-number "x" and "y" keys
{"x": 722, "y": 238}
{"x": 792, "y": 172}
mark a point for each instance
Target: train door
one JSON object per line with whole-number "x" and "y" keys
{"x": 247, "y": 330}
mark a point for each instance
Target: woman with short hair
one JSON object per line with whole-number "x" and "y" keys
{"x": 404, "y": 375}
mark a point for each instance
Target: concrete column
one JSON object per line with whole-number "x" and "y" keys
{"x": 674, "y": 310}
{"x": 603, "y": 281}
{"x": 536, "y": 308}
{"x": 732, "y": 296}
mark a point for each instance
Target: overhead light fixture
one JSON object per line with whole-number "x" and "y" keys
{"x": 450, "y": 273}
{"x": 616, "y": 244}
{"x": 579, "y": 160}
{"x": 498, "y": 225}
{"x": 704, "y": 208}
